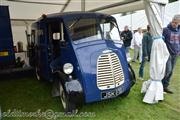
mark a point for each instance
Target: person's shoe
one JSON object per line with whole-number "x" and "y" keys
{"x": 168, "y": 91}
{"x": 140, "y": 78}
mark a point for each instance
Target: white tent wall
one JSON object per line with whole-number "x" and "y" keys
{"x": 139, "y": 19}
{"x": 19, "y": 35}
{"x": 170, "y": 10}
{"x": 135, "y": 20}
{"x": 30, "y": 11}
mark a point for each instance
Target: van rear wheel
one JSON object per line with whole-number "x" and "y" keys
{"x": 67, "y": 105}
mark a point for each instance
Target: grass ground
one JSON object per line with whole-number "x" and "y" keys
{"x": 30, "y": 95}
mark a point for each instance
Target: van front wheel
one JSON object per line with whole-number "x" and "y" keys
{"x": 67, "y": 105}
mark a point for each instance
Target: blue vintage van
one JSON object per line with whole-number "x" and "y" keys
{"x": 82, "y": 54}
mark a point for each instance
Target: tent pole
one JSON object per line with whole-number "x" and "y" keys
{"x": 131, "y": 22}
{"x": 65, "y": 6}
{"x": 83, "y": 5}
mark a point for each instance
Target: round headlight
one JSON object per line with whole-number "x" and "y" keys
{"x": 68, "y": 68}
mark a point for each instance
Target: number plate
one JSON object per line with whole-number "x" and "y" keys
{"x": 111, "y": 93}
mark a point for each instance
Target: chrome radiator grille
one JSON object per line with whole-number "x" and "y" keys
{"x": 109, "y": 71}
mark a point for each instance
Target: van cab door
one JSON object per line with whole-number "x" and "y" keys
{"x": 58, "y": 44}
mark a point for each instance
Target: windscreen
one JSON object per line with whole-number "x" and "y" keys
{"x": 89, "y": 29}
{"x": 84, "y": 29}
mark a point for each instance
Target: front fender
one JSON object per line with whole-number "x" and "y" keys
{"x": 71, "y": 86}
{"x": 75, "y": 91}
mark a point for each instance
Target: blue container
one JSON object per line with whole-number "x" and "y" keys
{"x": 7, "y": 57}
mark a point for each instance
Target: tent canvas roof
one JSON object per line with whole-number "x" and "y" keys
{"x": 24, "y": 12}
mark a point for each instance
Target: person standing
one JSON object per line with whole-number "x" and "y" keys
{"x": 137, "y": 44}
{"x": 146, "y": 51}
{"x": 126, "y": 36}
{"x": 171, "y": 35}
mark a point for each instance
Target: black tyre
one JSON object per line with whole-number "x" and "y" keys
{"x": 67, "y": 105}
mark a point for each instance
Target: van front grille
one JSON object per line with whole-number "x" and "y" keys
{"x": 109, "y": 71}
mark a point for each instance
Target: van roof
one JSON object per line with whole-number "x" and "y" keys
{"x": 71, "y": 15}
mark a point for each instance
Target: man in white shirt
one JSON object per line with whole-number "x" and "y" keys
{"x": 137, "y": 44}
